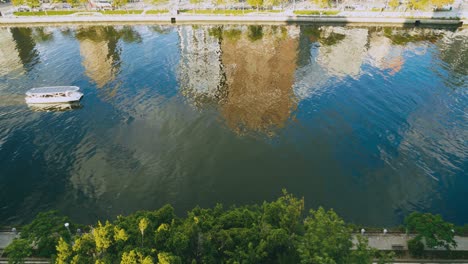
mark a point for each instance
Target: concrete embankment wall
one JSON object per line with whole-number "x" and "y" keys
{"x": 223, "y": 19}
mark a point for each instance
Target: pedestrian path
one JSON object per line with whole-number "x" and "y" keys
{"x": 398, "y": 241}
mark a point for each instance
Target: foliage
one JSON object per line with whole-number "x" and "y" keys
{"x": 158, "y": 2}
{"x": 18, "y": 2}
{"x": 219, "y": 12}
{"x": 462, "y": 230}
{"x": 385, "y": 257}
{"x": 435, "y": 231}
{"x": 232, "y": 34}
{"x": 255, "y": 33}
{"x": 327, "y": 238}
{"x": 44, "y": 13}
{"x": 119, "y": 3}
{"x": 441, "y": 3}
{"x": 33, "y": 3}
{"x": 63, "y": 252}
{"x": 272, "y": 232}
{"x": 322, "y": 3}
{"x": 121, "y": 12}
{"x": 196, "y": 2}
{"x": 394, "y": 3}
{"x": 256, "y": 3}
{"x": 154, "y": 12}
{"x": 363, "y": 254}
{"x": 415, "y": 247}
{"x": 219, "y": 2}
{"x": 317, "y": 12}
{"x": 419, "y": 4}
{"x": 18, "y": 250}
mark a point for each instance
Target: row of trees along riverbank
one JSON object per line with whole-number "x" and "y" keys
{"x": 273, "y": 232}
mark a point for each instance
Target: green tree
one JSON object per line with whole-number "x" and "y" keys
{"x": 74, "y": 3}
{"x": 219, "y": 2}
{"x": 64, "y": 252}
{"x": 103, "y": 235}
{"x": 196, "y": 2}
{"x": 157, "y": 2}
{"x": 33, "y": 3}
{"x": 327, "y": 238}
{"x": 271, "y": 3}
{"x": 142, "y": 225}
{"x": 416, "y": 247}
{"x": 44, "y": 232}
{"x": 419, "y": 4}
{"x": 362, "y": 254}
{"x": 256, "y": 3}
{"x": 322, "y": 3}
{"x": 394, "y": 3}
{"x": 167, "y": 258}
{"x": 134, "y": 257}
{"x": 18, "y": 2}
{"x": 441, "y": 3}
{"x": 18, "y": 250}
{"x": 119, "y": 3}
{"x": 435, "y": 231}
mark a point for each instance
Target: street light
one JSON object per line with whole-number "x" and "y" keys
{"x": 67, "y": 227}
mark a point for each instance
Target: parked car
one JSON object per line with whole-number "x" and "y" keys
{"x": 48, "y": 6}
{"x": 443, "y": 8}
{"x": 23, "y": 8}
{"x": 100, "y": 5}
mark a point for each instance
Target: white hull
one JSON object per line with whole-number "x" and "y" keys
{"x": 72, "y": 97}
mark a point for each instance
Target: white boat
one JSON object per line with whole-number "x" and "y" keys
{"x": 53, "y": 94}
{"x": 57, "y": 107}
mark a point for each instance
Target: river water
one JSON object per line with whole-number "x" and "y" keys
{"x": 369, "y": 121}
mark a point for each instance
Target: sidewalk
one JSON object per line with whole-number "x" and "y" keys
{"x": 393, "y": 241}
{"x": 5, "y": 239}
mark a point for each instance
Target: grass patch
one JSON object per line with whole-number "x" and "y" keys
{"x": 121, "y": 12}
{"x": 218, "y": 12}
{"x": 45, "y": 13}
{"x": 155, "y": 12}
{"x": 317, "y": 12}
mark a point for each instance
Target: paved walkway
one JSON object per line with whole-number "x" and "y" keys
{"x": 6, "y": 238}
{"x": 392, "y": 241}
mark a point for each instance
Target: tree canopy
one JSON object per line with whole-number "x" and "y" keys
{"x": 272, "y": 232}
{"x": 432, "y": 228}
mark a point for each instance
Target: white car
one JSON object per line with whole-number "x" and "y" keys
{"x": 23, "y": 8}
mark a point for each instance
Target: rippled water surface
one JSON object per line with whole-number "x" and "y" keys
{"x": 369, "y": 121}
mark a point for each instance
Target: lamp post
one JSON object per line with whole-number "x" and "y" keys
{"x": 67, "y": 226}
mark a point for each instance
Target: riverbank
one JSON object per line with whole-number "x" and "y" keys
{"x": 259, "y": 19}
{"x": 381, "y": 242}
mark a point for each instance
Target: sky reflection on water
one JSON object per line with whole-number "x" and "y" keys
{"x": 369, "y": 121}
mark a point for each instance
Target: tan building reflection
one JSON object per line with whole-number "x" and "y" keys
{"x": 260, "y": 78}
{"x": 346, "y": 56}
{"x": 9, "y": 59}
{"x": 383, "y": 55}
{"x": 97, "y": 59}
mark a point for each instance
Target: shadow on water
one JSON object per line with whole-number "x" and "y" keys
{"x": 62, "y": 107}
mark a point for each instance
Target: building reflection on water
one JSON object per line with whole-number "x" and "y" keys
{"x": 100, "y": 50}
{"x": 247, "y": 70}
{"x": 158, "y": 140}
{"x": 9, "y": 57}
{"x": 260, "y": 78}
